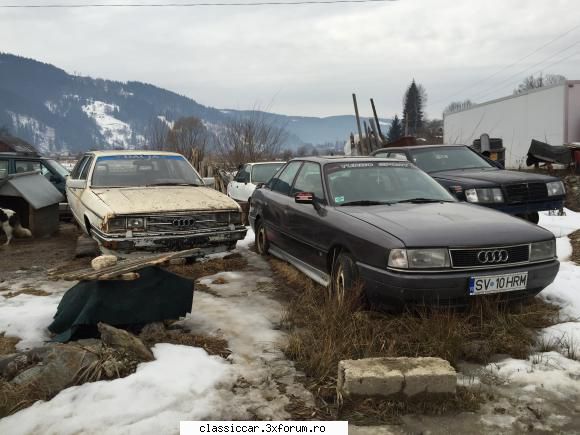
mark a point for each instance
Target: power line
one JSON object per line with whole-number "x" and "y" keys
{"x": 520, "y": 73}
{"x": 477, "y": 83}
{"x": 189, "y": 5}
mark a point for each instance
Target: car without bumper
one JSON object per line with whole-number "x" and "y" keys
{"x": 366, "y": 222}
{"x": 151, "y": 202}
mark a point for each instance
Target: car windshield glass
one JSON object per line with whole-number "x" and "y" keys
{"x": 143, "y": 170}
{"x": 375, "y": 183}
{"x": 263, "y": 173}
{"x": 445, "y": 159}
{"x": 58, "y": 168}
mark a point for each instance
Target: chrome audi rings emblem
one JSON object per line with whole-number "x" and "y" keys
{"x": 493, "y": 256}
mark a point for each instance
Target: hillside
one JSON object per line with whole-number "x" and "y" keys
{"x": 59, "y": 112}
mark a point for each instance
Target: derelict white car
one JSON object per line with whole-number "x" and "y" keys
{"x": 150, "y": 201}
{"x": 249, "y": 176}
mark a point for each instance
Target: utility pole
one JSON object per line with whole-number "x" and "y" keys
{"x": 377, "y": 121}
{"x": 360, "y": 136}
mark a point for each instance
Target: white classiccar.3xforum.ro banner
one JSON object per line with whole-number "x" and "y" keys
{"x": 263, "y": 427}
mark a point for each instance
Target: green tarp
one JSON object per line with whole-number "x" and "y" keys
{"x": 156, "y": 295}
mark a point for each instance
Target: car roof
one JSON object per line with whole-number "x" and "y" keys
{"x": 131, "y": 153}
{"x": 323, "y": 160}
{"x": 412, "y": 147}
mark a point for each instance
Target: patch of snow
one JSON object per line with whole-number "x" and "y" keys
{"x": 125, "y": 93}
{"x": 181, "y": 384}
{"x": 549, "y": 371}
{"x": 166, "y": 121}
{"x": 561, "y": 226}
{"x": 116, "y": 132}
{"x": 51, "y": 106}
{"x": 43, "y": 136}
{"x": 225, "y": 111}
{"x": 27, "y": 316}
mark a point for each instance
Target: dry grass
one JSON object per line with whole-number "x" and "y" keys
{"x": 202, "y": 268}
{"x": 575, "y": 241}
{"x": 7, "y": 344}
{"x": 14, "y": 398}
{"x": 26, "y": 291}
{"x": 220, "y": 281}
{"x": 212, "y": 345}
{"x": 322, "y": 332}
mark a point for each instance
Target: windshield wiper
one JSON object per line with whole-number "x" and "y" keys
{"x": 365, "y": 202}
{"x": 422, "y": 200}
{"x": 174, "y": 184}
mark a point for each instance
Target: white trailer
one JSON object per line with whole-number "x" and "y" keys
{"x": 550, "y": 114}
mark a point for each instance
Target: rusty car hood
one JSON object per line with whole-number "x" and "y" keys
{"x": 161, "y": 199}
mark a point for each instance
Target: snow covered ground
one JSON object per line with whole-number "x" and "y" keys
{"x": 116, "y": 132}
{"x": 183, "y": 383}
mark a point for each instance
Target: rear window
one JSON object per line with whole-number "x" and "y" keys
{"x": 263, "y": 172}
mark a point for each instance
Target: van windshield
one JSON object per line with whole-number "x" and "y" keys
{"x": 143, "y": 170}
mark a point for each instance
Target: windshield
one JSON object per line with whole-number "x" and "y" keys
{"x": 263, "y": 173}
{"x": 444, "y": 159}
{"x": 372, "y": 183}
{"x": 143, "y": 170}
{"x": 62, "y": 171}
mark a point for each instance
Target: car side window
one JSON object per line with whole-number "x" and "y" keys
{"x": 243, "y": 175}
{"x": 86, "y": 168}
{"x": 273, "y": 180}
{"x": 78, "y": 168}
{"x": 27, "y": 166}
{"x": 309, "y": 180}
{"x": 3, "y": 168}
{"x": 284, "y": 182}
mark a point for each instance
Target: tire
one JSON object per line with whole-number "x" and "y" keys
{"x": 261, "y": 240}
{"x": 344, "y": 276}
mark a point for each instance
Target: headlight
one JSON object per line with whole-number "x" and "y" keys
{"x": 543, "y": 250}
{"x": 556, "y": 188}
{"x": 116, "y": 224}
{"x": 418, "y": 258}
{"x": 135, "y": 223}
{"x": 484, "y": 196}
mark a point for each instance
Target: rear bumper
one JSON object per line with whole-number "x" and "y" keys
{"x": 208, "y": 243}
{"x": 384, "y": 287}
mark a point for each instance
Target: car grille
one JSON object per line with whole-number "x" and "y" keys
{"x": 187, "y": 222}
{"x": 463, "y": 258}
{"x": 526, "y": 192}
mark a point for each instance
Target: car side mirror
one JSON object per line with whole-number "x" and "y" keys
{"x": 260, "y": 185}
{"x": 76, "y": 184}
{"x": 304, "y": 198}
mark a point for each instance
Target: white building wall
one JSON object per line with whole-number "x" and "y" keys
{"x": 538, "y": 114}
{"x": 573, "y": 124}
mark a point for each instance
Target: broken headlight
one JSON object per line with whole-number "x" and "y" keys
{"x": 418, "y": 258}
{"x": 484, "y": 196}
{"x": 555, "y": 188}
{"x": 116, "y": 225}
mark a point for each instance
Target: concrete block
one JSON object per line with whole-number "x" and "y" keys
{"x": 396, "y": 377}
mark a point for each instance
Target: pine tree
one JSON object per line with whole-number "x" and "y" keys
{"x": 395, "y": 130}
{"x": 413, "y": 110}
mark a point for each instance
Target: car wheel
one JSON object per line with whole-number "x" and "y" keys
{"x": 344, "y": 276}
{"x": 262, "y": 243}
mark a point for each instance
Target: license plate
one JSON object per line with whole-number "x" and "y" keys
{"x": 479, "y": 285}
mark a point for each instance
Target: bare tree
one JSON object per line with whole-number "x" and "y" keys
{"x": 156, "y": 136}
{"x": 457, "y": 106}
{"x": 250, "y": 137}
{"x": 532, "y": 82}
{"x": 188, "y": 136}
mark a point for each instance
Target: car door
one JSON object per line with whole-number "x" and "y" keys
{"x": 4, "y": 168}
{"x": 235, "y": 189}
{"x": 276, "y": 206}
{"x": 75, "y": 189}
{"x": 306, "y": 221}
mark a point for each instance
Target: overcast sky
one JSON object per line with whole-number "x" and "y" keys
{"x": 306, "y": 60}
